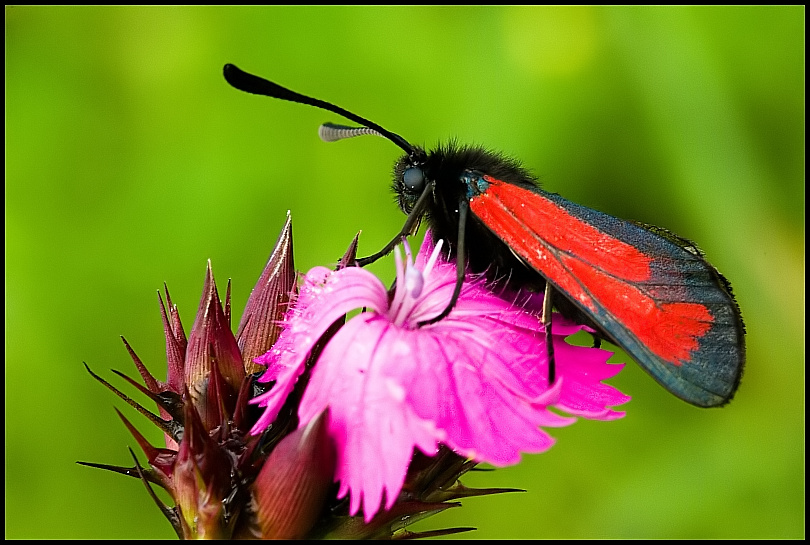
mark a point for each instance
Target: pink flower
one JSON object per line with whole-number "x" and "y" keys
{"x": 475, "y": 381}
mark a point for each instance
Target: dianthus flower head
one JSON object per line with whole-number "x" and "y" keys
{"x": 227, "y": 483}
{"x": 394, "y": 411}
{"x": 475, "y": 382}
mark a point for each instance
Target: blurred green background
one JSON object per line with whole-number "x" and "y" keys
{"x": 130, "y": 162}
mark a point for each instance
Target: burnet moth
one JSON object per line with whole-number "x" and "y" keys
{"x": 638, "y": 286}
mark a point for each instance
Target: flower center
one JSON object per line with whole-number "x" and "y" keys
{"x": 410, "y": 283}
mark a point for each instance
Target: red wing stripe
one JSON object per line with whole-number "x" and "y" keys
{"x": 569, "y": 234}
{"x": 601, "y": 273}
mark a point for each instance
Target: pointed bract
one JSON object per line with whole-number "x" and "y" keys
{"x": 268, "y": 302}
{"x": 350, "y": 256}
{"x": 153, "y": 384}
{"x": 176, "y": 344}
{"x": 211, "y": 343}
{"x": 159, "y": 459}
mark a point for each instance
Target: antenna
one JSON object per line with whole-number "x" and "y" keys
{"x": 259, "y": 86}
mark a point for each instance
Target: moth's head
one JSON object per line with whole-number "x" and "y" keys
{"x": 411, "y": 177}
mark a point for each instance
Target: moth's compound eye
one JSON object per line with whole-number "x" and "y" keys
{"x": 414, "y": 179}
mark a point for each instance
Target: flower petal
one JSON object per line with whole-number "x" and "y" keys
{"x": 325, "y": 297}
{"x": 375, "y": 430}
{"x": 466, "y": 383}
